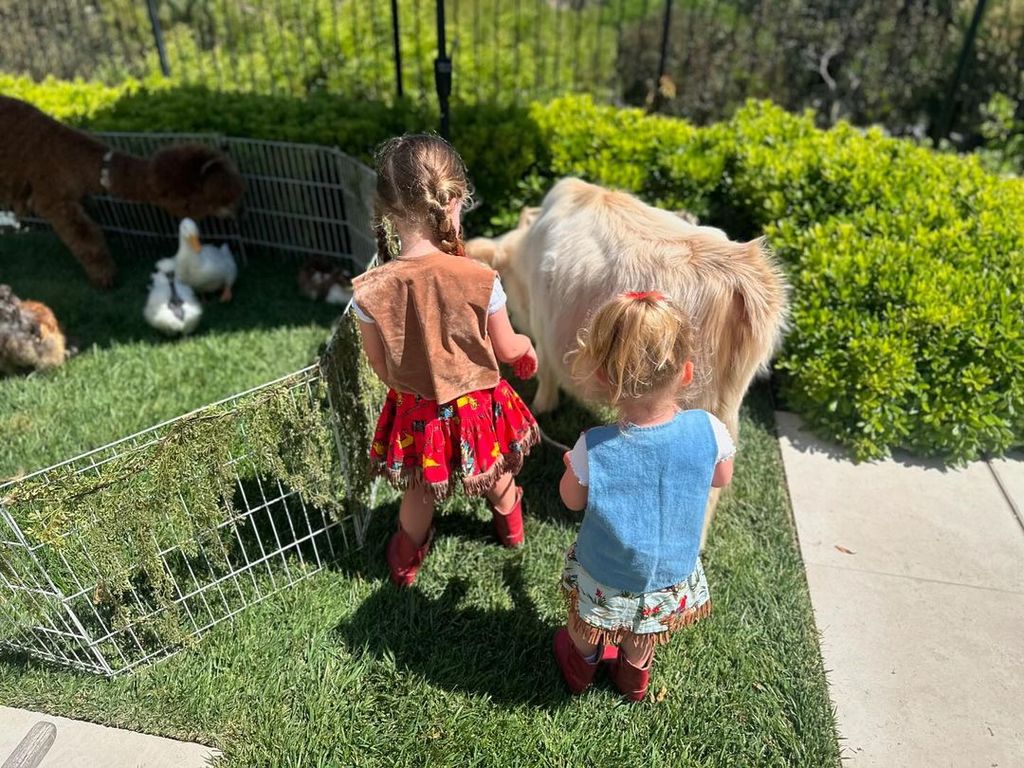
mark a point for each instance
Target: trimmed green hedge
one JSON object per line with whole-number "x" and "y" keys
{"x": 907, "y": 265}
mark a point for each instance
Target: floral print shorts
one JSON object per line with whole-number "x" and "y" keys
{"x": 605, "y": 615}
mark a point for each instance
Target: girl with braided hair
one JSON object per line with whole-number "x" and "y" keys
{"x": 434, "y": 328}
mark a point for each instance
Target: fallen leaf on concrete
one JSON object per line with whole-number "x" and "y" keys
{"x": 844, "y": 550}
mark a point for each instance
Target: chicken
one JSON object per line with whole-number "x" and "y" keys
{"x": 321, "y": 279}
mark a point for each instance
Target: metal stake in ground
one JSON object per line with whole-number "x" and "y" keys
{"x": 158, "y": 37}
{"x": 397, "y": 42}
{"x": 442, "y": 70}
{"x": 663, "y": 55}
{"x": 946, "y": 126}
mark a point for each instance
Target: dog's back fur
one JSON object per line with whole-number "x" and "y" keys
{"x": 586, "y": 244}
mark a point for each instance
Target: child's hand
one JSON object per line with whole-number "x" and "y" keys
{"x": 526, "y": 365}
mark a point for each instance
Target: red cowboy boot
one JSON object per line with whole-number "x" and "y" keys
{"x": 509, "y": 526}
{"x": 631, "y": 681}
{"x": 404, "y": 557}
{"x": 576, "y": 670}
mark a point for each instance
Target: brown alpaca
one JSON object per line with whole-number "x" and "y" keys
{"x": 47, "y": 168}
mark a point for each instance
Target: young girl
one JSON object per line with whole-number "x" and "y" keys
{"x": 634, "y": 575}
{"x": 434, "y": 327}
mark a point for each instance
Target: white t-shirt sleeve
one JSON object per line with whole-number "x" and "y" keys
{"x": 360, "y": 314}
{"x": 498, "y": 297}
{"x": 578, "y": 461}
{"x": 496, "y": 302}
{"x": 726, "y": 447}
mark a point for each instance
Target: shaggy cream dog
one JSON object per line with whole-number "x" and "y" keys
{"x": 586, "y": 244}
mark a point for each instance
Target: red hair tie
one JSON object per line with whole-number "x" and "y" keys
{"x": 641, "y": 295}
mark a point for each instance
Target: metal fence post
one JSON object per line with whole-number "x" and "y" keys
{"x": 397, "y": 42}
{"x": 961, "y": 67}
{"x": 442, "y": 71}
{"x": 158, "y": 36}
{"x": 665, "y": 25}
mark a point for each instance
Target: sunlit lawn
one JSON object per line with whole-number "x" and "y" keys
{"x": 345, "y": 669}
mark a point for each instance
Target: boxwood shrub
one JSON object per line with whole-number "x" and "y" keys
{"x": 907, "y": 265}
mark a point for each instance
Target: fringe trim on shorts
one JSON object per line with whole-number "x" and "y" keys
{"x": 475, "y": 485}
{"x": 603, "y": 636}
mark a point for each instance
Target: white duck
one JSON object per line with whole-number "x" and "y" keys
{"x": 204, "y": 267}
{"x": 172, "y": 307}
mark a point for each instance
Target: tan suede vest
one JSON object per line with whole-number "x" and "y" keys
{"x": 431, "y": 312}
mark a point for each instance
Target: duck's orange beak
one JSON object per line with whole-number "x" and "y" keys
{"x": 193, "y": 242}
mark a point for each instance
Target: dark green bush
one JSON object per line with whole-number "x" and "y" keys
{"x": 1003, "y": 132}
{"x": 907, "y": 265}
{"x": 907, "y": 268}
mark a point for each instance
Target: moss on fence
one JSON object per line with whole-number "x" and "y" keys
{"x": 109, "y": 528}
{"x": 123, "y": 528}
{"x": 356, "y": 395}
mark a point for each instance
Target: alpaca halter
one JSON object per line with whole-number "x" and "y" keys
{"x": 105, "y": 170}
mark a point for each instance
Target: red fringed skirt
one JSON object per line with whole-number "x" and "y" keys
{"x": 476, "y": 438}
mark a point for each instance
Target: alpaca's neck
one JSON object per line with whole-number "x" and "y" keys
{"x": 129, "y": 178}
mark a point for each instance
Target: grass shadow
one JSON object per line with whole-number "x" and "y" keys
{"x": 467, "y": 649}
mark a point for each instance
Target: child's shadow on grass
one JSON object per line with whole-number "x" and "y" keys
{"x": 500, "y": 653}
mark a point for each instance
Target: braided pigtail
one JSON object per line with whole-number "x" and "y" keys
{"x": 389, "y": 245}
{"x": 444, "y": 231}
{"x": 418, "y": 177}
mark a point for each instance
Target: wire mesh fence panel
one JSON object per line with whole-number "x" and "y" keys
{"x": 503, "y": 51}
{"x": 301, "y": 200}
{"x": 125, "y": 554}
{"x": 70, "y": 598}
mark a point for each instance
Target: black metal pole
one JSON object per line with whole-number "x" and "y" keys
{"x": 158, "y": 36}
{"x": 397, "y": 42}
{"x": 442, "y": 71}
{"x": 961, "y": 67}
{"x": 666, "y": 24}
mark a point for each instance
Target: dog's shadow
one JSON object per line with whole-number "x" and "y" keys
{"x": 503, "y": 654}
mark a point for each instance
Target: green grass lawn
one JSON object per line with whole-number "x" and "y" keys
{"x": 128, "y": 376}
{"x": 347, "y": 670}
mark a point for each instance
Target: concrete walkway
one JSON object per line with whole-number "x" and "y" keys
{"x": 74, "y": 744}
{"x": 917, "y": 580}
